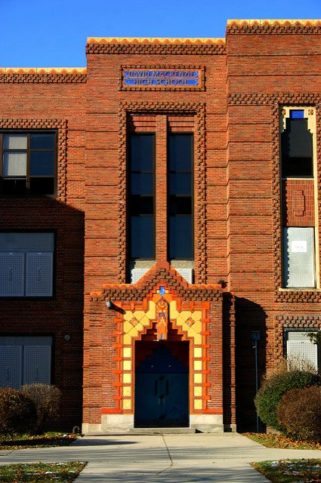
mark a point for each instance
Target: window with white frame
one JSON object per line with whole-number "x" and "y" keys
{"x": 25, "y": 360}
{"x": 301, "y": 351}
{"x": 26, "y": 264}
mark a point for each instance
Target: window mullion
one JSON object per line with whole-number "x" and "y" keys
{"x": 161, "y": 188}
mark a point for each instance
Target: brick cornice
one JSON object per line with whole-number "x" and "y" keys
{"x": 289, "y": 27}
{"x": 43, "y": 76}
{"x": 158, "y": 46}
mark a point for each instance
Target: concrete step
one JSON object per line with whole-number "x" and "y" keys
{"x": 162, "y": 431}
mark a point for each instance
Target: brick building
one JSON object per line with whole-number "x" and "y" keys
{"x": 159, "y": 220}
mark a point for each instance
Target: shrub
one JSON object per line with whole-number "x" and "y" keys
{"x": 272, "y": 390}
{"x": 299, "y": 413}
{"x": 47, "y": 402}
{"x": 17, "y": 412}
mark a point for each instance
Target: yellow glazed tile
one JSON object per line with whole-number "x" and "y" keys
{"x": 127, "y": 339}
{"x": 127, "y": 404}
{"x": 197, "y": 327}
{"x": 127, "y": 378}
{"x": 198, "y": 404}
{"x": 197, "y": 339}
{"x": 128, "y": 315}
{"x": 197, "y": 352}
{"x": 198, "y": 391}
{"x": 127, "y": 352}
{"x": 139, "y": 314}
{"x": 127, "y": 365}
{"x": 151, "y": 311}
{"x": 198, "y": 378}
{"x": 127, "y": 391}
{"x": 144, "y": 320}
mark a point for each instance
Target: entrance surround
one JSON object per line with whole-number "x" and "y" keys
{"x": 122, "y": 314}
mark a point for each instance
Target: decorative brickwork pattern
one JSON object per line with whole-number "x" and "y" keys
{"x": 163, "y": 88}
{"x": 197, "y": 109}
{"x": 156, "y": 46}
{"x": 160, "y": 273}
{"x": 274, "y": 27}
{"x": 61, "y": 126}
{"x": 43, "y": 76}
{"x": 311, "y": 321}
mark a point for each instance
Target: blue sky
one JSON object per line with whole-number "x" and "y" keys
{"x": 52, "y": 33}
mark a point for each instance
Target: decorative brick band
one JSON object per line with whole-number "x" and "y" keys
{"x": 16, "y": 78}
{"x": 260, "y": 98}
{"x": 157, "y": 49}
{"x": 282, "y": 322}
{"x": 201, "y": 68}
{"x": 197, "y": 109}
{"x": 61, "y": 126}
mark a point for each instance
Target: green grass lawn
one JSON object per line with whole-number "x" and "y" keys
{"x": 36, "y": 441}
{"x": 41, "y": 472}
{"x": 281, "y": 441}
{"x": 287, "y": 471}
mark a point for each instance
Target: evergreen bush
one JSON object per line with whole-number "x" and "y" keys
{"x": 272, "y": 390}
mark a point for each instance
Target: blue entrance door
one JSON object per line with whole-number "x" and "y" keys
{"x": 161, "y": 389}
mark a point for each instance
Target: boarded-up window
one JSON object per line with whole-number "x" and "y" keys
{"x": 298, "y": 257}
{"x": 26, "y": 264}
{"x": 25, "y": 360}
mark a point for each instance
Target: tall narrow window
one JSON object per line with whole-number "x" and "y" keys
{"x": 180, "y": 196}
{"x": 298, "y": 197}
{"x": 141, "y": 197}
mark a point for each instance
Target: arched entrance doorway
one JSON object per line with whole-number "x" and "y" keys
{"x": 161, "y": 384}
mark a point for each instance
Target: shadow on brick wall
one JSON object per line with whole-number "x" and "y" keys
{"x": 250, "y": 322}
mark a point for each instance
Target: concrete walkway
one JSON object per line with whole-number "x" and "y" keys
{"x": 170, "y": 458}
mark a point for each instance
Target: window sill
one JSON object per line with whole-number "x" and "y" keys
{"x": 298, "y": 295}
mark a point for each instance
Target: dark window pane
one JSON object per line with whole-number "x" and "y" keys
{"x": 180, "y": 205}
{"x": 42, "y": 163}
{"x": 297, "y": 149}
{"x": 13, "y": 186}
{"x": 141, "y": 205}
{"x": 180, "y": 152}
{"x": 141, "y": 151}
{"x": 141, "y": 183}
{"x": 180, "y": 184}
{"x": 142, "y": 237}
{"x": 42, "y": 141}
{"x": 42, "y": 186}
{"x": 180, "y": 237}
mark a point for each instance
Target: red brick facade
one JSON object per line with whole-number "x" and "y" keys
{"x": 234, "y": 114}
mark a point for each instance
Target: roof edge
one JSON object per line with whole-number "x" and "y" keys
{"x": 154, "y": 40}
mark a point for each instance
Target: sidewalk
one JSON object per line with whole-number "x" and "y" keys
{"x": 170, "y": 458}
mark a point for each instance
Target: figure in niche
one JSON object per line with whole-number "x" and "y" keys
{"x": 162, "y": 319}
